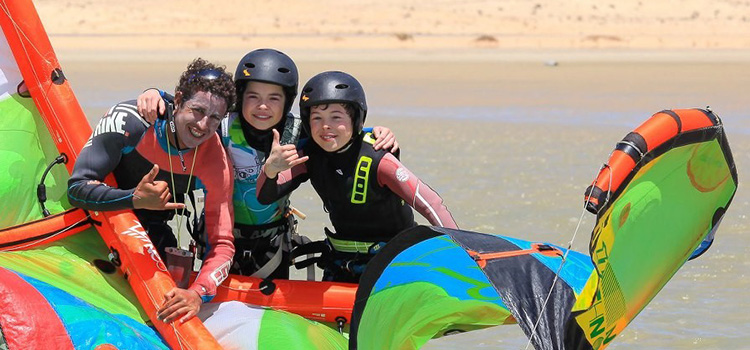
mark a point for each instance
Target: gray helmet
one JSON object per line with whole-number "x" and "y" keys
{"x": 268, "y": 66}
{"x": 334, "y": 87}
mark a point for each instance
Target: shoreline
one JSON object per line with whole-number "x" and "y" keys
{"x": 82, "y": 49}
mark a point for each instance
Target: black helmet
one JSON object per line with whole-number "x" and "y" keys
{"x": 268, "y": 66}
{"x": 334, "y": 87}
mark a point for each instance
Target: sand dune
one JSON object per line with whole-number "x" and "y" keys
{"x": 396, "y": 27}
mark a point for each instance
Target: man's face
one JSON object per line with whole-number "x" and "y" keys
{"x": 197, "y": 119}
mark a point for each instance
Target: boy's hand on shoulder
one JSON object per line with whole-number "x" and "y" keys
{"x": 282, "y": 157}
{"x": 384, "y": 138}
{"x": 150, "y": 105}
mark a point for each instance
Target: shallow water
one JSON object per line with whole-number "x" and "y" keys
{"x": 512, "y": 146}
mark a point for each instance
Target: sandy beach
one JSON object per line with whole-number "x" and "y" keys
{"x": 401, "y": 29}
{"x": 507, "y": 108}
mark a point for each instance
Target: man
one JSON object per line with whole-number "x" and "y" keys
{"x": 174, "y": 156}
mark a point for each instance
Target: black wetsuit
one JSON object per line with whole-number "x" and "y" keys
{"x": 367, "y": 194}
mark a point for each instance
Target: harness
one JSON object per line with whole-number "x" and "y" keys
{"x": 256, "y": 243}
{"x": 340, "y": 259}
{"x": 263, "y": 250}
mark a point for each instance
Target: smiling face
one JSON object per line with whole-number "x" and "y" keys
{"x": 262, "y": 104}
{"x": 197, "y": 119}
{"x": 330, "y": 126}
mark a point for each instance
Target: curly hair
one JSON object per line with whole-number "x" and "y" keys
{"x": 202, "y": 75}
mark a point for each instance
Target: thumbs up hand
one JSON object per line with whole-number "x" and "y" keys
{"x": 153, "y": 195}
{"x": 281, "y": 157}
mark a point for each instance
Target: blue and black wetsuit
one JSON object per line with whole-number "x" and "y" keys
{"x": 261, "y": 230}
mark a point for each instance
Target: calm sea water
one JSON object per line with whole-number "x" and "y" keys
{"x": 511, "y": 148}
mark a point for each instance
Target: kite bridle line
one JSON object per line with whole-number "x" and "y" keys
{"x": 570, "y": 244}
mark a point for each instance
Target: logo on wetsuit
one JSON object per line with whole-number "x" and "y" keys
{"x": 221, "y": 273}
{"x": 362, "y": 173}
{"x": 113, "y": 123}
{"x": 109, "y": 123}
{"x": 402, "y": 175}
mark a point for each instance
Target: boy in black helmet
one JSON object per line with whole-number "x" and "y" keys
{"x": 266, "y": 81}
{"x": 368, "y": 193}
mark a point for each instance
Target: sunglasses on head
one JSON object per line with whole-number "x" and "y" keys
{"x": 208, "y": 74}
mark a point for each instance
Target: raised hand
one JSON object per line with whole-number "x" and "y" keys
{"x": 150, "y": 105}
{"x": 281, "y": 157}
{"x": 384, "y": 138}
{"x": 153, "y": 195}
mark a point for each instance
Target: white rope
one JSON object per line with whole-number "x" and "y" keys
{"x": 567, "y": 251}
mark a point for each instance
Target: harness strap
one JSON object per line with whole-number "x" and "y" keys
{"x": 349, "y": 246}
{"x": 336, "y": 254}
{"x": 309, "y": 249}
{"x": 287, "y": 239}
{"x": 274, "y": 262}
{"x": 249, "y": 230}
{"x": 300, "y": 241}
